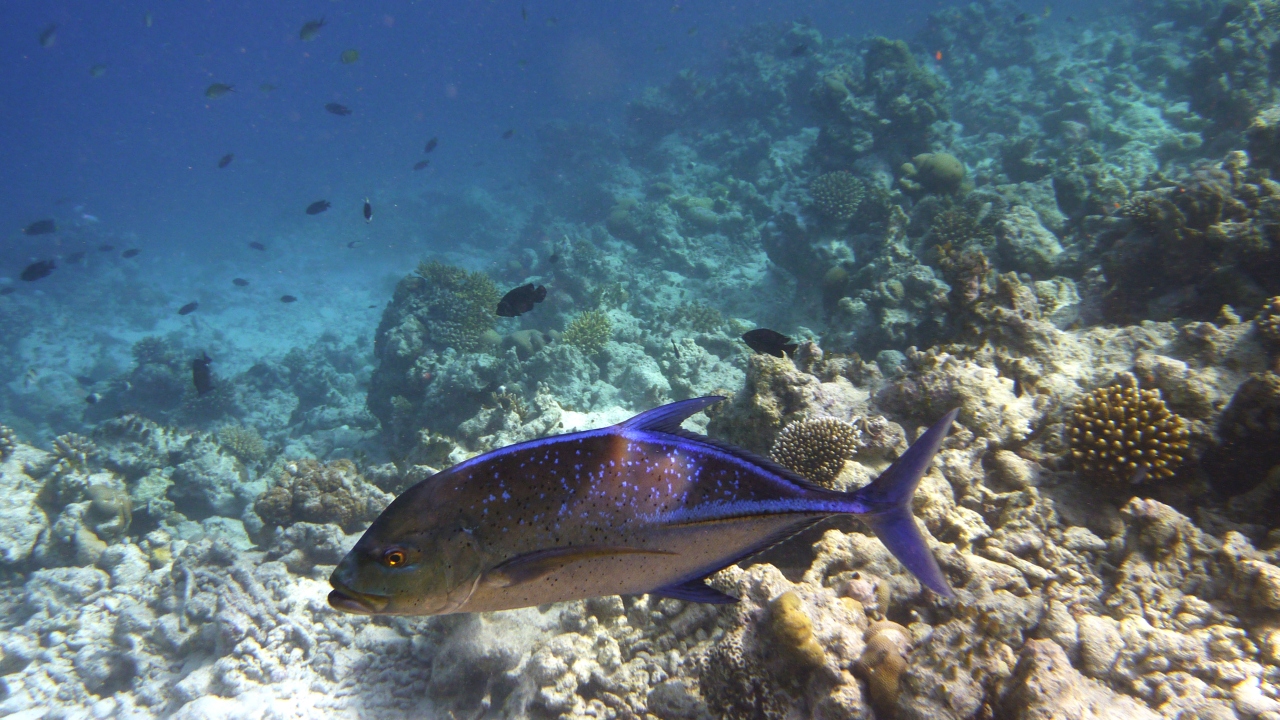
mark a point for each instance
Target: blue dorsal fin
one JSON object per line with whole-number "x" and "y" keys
{"x": 667, "y": 418}
{"x": 695, "y": 590}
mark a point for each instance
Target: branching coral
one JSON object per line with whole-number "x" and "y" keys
{"x": 588, "y": 331}
{"x": 309, "y": 491}
{"x": 698, "y": 317}
{"x": 837, "y": 195}
{"x": 817, "y": 448}
{"x": 1120, "y": 433}
{"x": 1268, "y": 321}
{"x": 8, "y": 441}
{"x": 457, "y": 306}
{"x": 74, "y": 452}
{"x": 153, "y": 350}
{"x": 243, "y": 441}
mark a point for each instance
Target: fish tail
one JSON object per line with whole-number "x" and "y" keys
{"x": 887, "y": 507}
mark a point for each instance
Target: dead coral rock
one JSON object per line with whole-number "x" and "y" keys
{"x": 1046, "y": 687}
{"x": 1249, "y": 434}
{"x": 1268, "y": 322}
{"x": 309, "y": 491}
{"x": 777, "y": 391}
{"x": 745, "y": 675}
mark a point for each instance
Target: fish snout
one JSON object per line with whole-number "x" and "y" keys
{"x": 343, "y": 597}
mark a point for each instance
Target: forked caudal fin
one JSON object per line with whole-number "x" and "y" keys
{"x": 888, "y": 501}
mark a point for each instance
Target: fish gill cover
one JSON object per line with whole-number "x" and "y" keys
{"x": 1062, "y": 220}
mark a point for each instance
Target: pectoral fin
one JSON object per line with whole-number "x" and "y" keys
{"x": 539, "y": 563}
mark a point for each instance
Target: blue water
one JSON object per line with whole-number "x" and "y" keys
{"x": 138, "y": 147}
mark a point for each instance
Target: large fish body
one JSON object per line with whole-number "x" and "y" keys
{"x": 640, "y": 507}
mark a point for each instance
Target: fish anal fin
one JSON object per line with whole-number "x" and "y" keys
{"x": 531, "y": 566}
{"x": 695, "y": 590}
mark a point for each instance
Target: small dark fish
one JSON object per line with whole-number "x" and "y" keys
{"x": 553, "y": 258}
{"x": 48, "y": 35}
{"x": 521, "y": 300}
{"x": 8, "y": 290}
{"x": 431, "y": 145}
{"x": 131, "y": 252}
{"x": 98, "y": 70}
{"x": 239, "y": 282}
{"x": 354, "y": 244}
{"x": 551, "y": 21}
{"x": 317, "y": 207}
{"x": 769, "y": 342}
{"x": 92, "y": 398}
{"x": 267, "y": 87}
{"x": 288, "y": 299}
{"x": 188, "y": 308}
{"x": 37, "y": 270}
{"x": 649, "y": 508}
{"x": 217, "y": 90}
{"x": 311, "y": 29}
{"x": 676, "y": 349}
{"x": 368, "y": 211}
{"x": 76, "y": 256}
{"x": 799, "y": 50}
{"x": 106, "y": 248}
{"x": 201, "y": 374}
{"x": 507, "y": 135}
{"x": 1021, "y": 17}
{"x": 257, "y": 245}
{"x": 524, "y": 13}
{"x": 40, "y": 227}
{"x": 349, "y": 56}
{"x": 421, "y": 164}
{"x": 337, "y": 109}
{"x": 226, "y": 160}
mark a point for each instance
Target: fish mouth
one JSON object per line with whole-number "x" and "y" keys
{"x": 352, "y": 601}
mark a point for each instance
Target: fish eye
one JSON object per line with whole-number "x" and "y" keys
{"x": 394, "y": 557}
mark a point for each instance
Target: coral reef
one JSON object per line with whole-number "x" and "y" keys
{"x": 882, "y": 663}
{"x": 1124, "y": 434}
{"x": 588, "y": 331}
{"x": 816, "y": 448}
{"x": 454, "y": 306}
{"x": 243, "y": 441}
{"x": 933, "y": 172}
{"x": 8, "y": 441}
{"x": 1268, "y": 321}
{"x": 1249, "y": 436}
{"x": 837, "y": 195}
{"x": 312, "y": 492}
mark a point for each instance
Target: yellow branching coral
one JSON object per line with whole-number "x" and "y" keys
{"x": 817, "y": 448}
{"x": 1268, "y": 321}
{"x": 588, "y": 331}
{"x": 243, "y": 441}
{"x": 837, "y": 194}
{"x": 1121, "y": 433}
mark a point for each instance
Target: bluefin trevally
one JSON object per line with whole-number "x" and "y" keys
{"x": 639, "y": 507}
